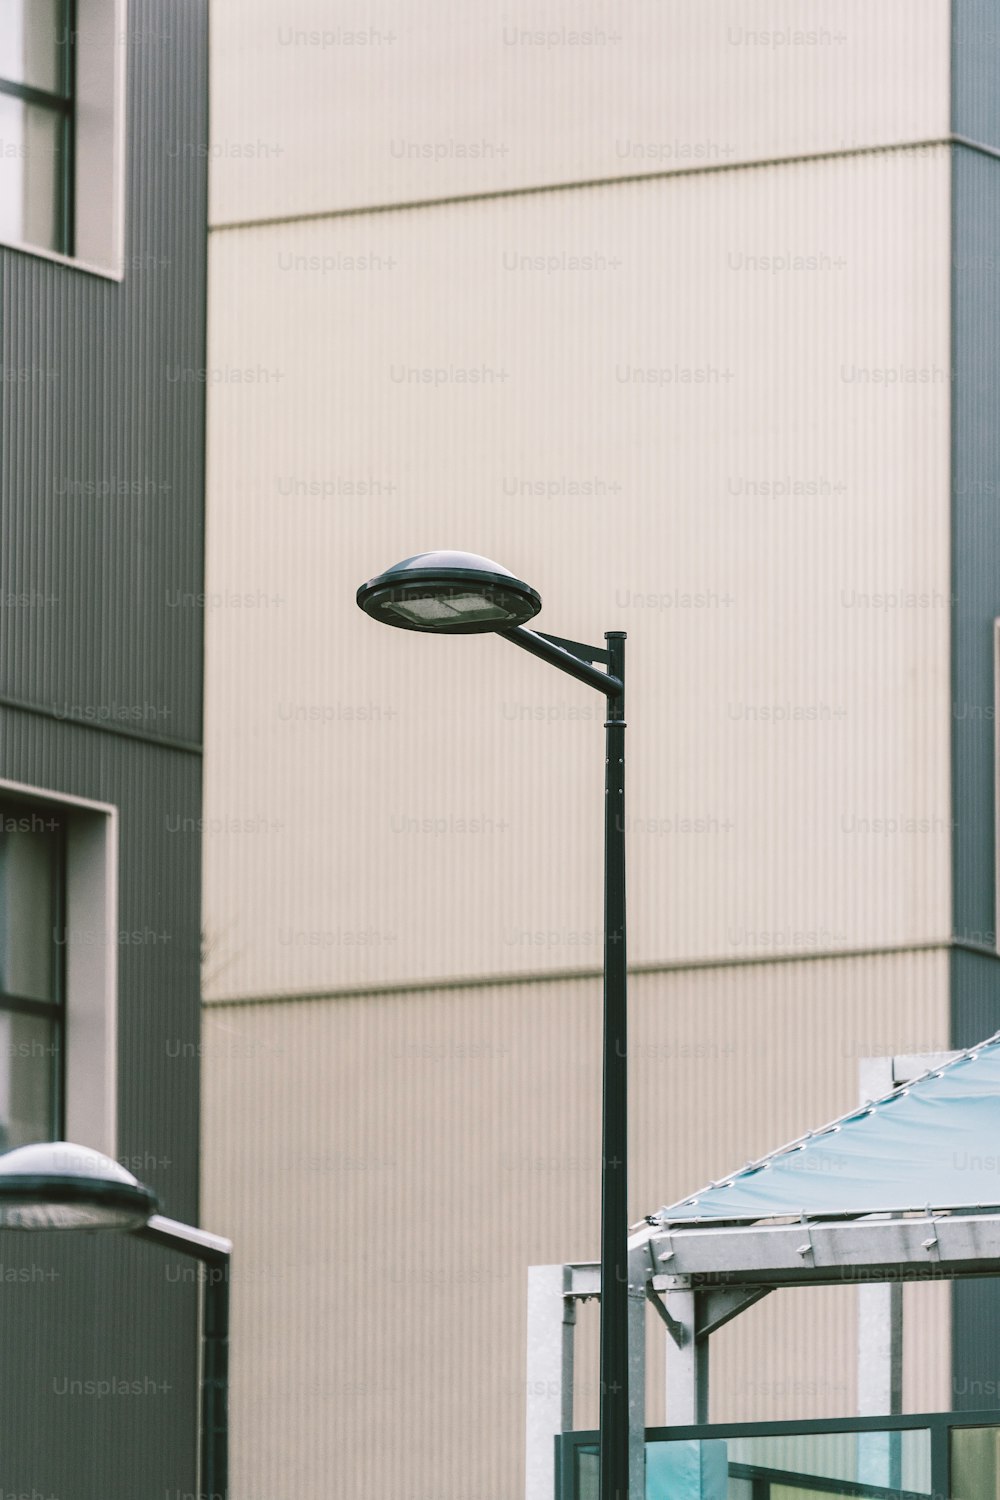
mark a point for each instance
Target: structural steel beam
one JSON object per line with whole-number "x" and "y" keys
{"x": 855, "y": 1251}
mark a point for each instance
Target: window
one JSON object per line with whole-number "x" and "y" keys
{"x": 37, "y": 74}
{"x": 32, "y": 973}
{"x": 62, "y": 130}
{"x": 58, "y": 968}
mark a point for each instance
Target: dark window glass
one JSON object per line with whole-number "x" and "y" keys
{"x": 32, "y": 973}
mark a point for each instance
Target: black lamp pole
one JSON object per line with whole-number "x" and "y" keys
{"x": 614, "y": 1179}
{"x": 459, "y": 593}
{"x": 614, "y": 1461}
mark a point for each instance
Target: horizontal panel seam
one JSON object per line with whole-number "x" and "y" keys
{"x": 704, "y": 169}
{"x": 556, "y": 976}
{"x": 162, "y": 741}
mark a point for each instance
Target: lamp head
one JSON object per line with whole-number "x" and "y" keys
{"x": 449, "y": 593}
{"x": 57, "y": 1185}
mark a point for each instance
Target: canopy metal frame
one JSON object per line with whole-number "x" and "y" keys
{"x": 700, "y": 1276}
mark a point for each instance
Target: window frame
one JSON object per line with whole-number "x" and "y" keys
{"x": 55, "y": 1010}
{"x": 90, "y": 1052}
{"x": 64, "y": 105}
{"x": 101, "y": 41}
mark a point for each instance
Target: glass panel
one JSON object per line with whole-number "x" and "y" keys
{"x": 786, "y": 1492}
{"x": 588, "y": 1474}
{"x": 31, "y": 173}
{"x": 975, "y": 1463}
{"x": 28, "y": 1056}
{"x": 28, "y": 939}
{"x": 33, "y": 43}
{"x": 794, "y": 1466}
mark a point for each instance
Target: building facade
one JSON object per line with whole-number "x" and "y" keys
{"x": 103, "y": 173}
{"x": 687, "y": 316}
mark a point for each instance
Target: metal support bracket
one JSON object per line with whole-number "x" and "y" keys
{"x": 716, "y": 1308}
{"x": 593, "y": 654}
{"x": 807, "y": 1248}
{"x": 676, "y": 1330}
{"x": 932, "y": 1244}
{"x": 569, "y": 656}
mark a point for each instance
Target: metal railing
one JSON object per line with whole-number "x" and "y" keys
{"x": 926, "y": 1456}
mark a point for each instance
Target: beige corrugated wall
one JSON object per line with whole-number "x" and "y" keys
{"x": 390, "y": 1165}
{"x": 383, "y": 808}
{"x": 315, "y": 109}
{"x": 710, "y": 408}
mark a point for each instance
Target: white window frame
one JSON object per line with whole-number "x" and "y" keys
{"x": 99, "y": 143}
{"x": 90, "y": 1019}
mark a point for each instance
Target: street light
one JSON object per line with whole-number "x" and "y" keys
{"x": 449, "y": 593}
{"x": 458, "y": 593}
{"x": 58, "y": 1185}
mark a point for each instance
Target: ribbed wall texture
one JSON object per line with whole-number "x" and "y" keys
{"x": 416, "y": 1152}
{"x": 711, "y": 409}
{"x": 101, "y": 479}
{"x": 976, "y": 595}
{"x": 975, "y": 1013}
{"x": 975, "y": 55}
{"x": 317, "y": 109}
{"x": 103, "y": 422}
{"x": 976, "y": 539}
{"x": 745, "y": 465}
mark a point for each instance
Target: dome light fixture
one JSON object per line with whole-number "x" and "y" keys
{"x": 449, "y": 593}
{"x": 56, "y": 1185}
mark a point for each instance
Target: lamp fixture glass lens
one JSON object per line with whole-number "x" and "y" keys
{"x": 474, "y": 606}
{"x": 420, "y": 611}
{"x": 38, "y": 1213}
{"x": 467, "y": 607}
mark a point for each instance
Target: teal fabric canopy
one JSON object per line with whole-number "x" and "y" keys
{"x": 933, "y": 1143}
